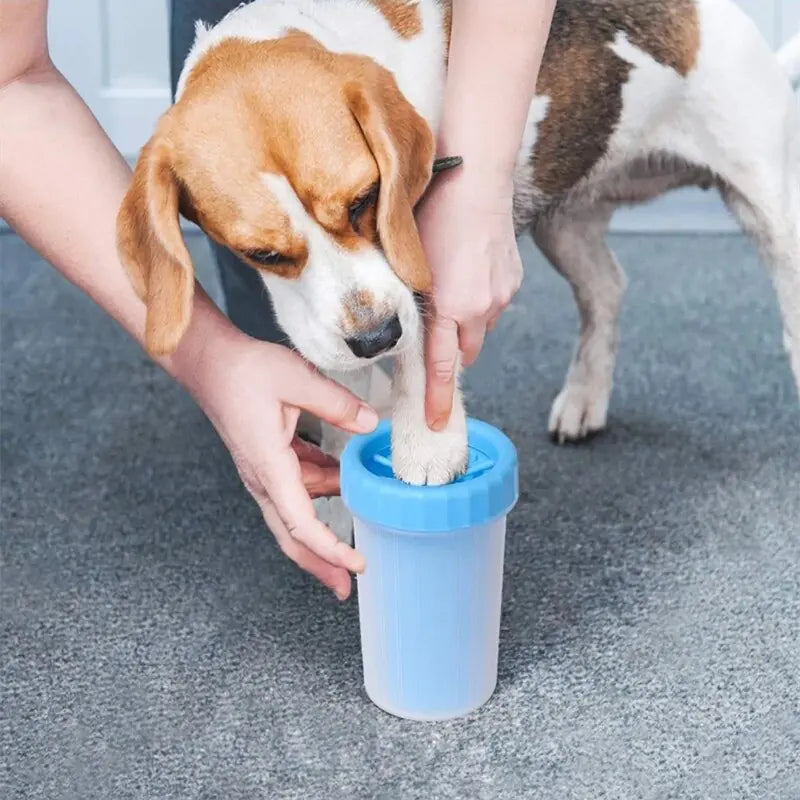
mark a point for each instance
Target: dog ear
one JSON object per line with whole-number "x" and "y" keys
{"x": 152, "y": 249}
{"x": 403, "y": 146}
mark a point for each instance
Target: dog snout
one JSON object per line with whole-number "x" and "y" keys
{"x": 379, "y": 339}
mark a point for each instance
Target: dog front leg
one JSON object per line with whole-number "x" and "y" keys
{"x": 419, "y": 455}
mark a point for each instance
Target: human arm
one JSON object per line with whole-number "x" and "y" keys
{"x": 61, "y": 183}
{"x": 465, "y": 220}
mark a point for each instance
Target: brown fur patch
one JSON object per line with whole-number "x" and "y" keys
{"x": 361, "y": 313}
{"x": 583, "y": 77}
{"x": 447, "y": 26}
{"x": 297, "y": 255}
{"x": 151, "y": 248}
{"x": 403, "y": 18}
{"x": 402, "y": 145}
{"x": 333, "y": 214}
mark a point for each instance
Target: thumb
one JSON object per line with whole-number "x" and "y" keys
{"x": 307, "y": 389}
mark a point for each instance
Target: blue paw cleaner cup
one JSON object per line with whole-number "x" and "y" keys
{"x": 429, "y": 599}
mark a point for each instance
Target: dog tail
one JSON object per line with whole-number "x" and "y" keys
{"x": 789, "y": 56}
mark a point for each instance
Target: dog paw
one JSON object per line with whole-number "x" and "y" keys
{"x": 577, "y": 413}
{"x": 429, "y": 458}
{"x": 332, "y": 512}
{"x": 423, "y": 457}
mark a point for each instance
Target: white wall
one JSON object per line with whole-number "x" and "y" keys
{"x": 116, "y": 54}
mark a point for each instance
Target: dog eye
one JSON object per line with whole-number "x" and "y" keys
{"x": 361, "y": 204}
{"x": 267, "y": 258}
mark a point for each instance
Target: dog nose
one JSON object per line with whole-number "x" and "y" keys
{"x": 379, "y": 339}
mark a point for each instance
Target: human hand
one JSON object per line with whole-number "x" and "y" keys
{"x": 467, "y": 230}
{"x": 253, "y": 393}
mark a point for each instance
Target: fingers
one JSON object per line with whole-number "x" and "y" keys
{"x": 305, "y": 388}
{"x": 283, "y": 482}
{"x": 441, "y": 364}
{"x": 335, "y": 578}
{"x": 320, "y": 481}
{"x": 320, "y": 471}
{"x": 470, "y": 340}
{"x": 306, "y": 451}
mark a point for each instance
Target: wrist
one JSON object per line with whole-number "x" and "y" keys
{"x": 482, "y": 189}
{"x": 483, "y": 167}
{"x": 210, "y": 343}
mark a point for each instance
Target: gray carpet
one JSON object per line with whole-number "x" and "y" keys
{"x": 155, "y": 644}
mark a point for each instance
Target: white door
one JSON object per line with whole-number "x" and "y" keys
{"x": 116, "y": 54}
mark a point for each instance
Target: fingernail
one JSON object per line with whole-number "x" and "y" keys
{"x": 366, "y": 418}
{"x": 439, "y": 423}
{"x": 341, "y": 596}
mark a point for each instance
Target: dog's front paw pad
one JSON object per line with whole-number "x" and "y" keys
{"x": 577, "y": 413}
{"x": 430, "y": 458}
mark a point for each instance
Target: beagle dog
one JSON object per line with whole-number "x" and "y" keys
{"x": 303, "y": 136}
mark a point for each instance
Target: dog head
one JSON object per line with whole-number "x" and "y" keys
{"x": 305, "y": 163}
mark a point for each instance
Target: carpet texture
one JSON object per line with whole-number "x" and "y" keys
{"x": 155, "y": 643}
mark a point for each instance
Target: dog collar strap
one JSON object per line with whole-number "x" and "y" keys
{"x": 446, "y": 162}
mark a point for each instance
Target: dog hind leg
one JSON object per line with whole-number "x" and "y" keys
{"x": 576, "y": 246}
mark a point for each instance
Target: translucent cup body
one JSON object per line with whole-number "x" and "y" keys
{"x": 429, "y": 606}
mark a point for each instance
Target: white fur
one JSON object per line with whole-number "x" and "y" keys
{"x": 536, "y": 113}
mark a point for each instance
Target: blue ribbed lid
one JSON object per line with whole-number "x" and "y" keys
{"x": 487, "y": 490}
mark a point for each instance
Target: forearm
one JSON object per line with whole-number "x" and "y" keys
{"x": 61, "y": 183}
{"x": 495, "y": 52}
